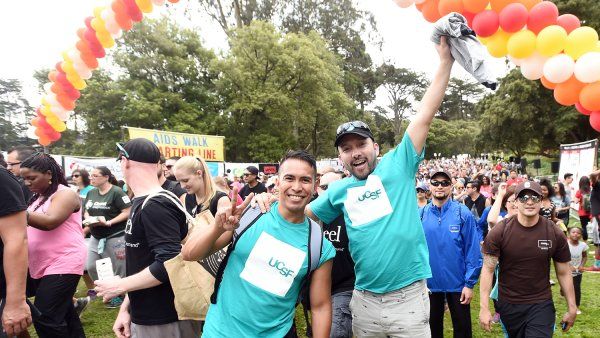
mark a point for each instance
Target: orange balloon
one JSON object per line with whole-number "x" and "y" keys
{"x": 430, "y": 10}
{"x": 547, "y": 84}
{"x": 65, "y": 102}
{"x": 498, "y": 5}
{"x": 529, "y": 3}
{"x": 567, "y": 93}
{"x": 57, "y": 89}
{"x": 44, "y": 140}
{"x": 590, "y": 97}
{"x": 475, "y": 6}
{"x": 448, "y": 6}
{"x": 121, "y": 16}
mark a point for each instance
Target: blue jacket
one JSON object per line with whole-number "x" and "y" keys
{"x": 454, "y": 249}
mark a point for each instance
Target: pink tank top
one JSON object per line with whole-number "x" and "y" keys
{"x": 59, "y": 251}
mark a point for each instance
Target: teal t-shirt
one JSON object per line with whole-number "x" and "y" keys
{"x": 261, "y": 281}
{"x": 386, "y": 238}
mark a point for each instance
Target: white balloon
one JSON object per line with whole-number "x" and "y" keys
{"x": 404, "y": 3}
{"x": 162, "y": 2}
{"x": 517, "y": 62}
{"x": 532, "y": 67}
{"x": 559, "y": 68}
{"x": 587, "y": 67}
{"x": 31, "y": 133}
{"x": 110, "y": 21}
{"x": 51, "y": 99}
{"x": 82, "y": 70}
{"x": 62, "y": 115}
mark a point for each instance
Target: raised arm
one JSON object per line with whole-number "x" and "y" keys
{"x": 419, "y": 127}
{"x": 494, "y": 214}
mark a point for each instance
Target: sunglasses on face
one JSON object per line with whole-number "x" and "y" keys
{"x": 122, "y": 152}
{"x": 76, "y": 175}
{"x": 420, "y": 190}
{"x": 349, "y": 126}
{"x": 533, "y": 198}
{"x": 169, "y": 166}
{"x": 246, "y": 174}
{"x": 442, "y": 183}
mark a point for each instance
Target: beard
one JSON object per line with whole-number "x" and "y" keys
{"x": 361, "y": 176}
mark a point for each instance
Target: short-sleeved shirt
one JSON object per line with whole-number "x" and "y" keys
{"x": 153, "y": 236}
{"x": 524, "y": 255}
{"x": 262, "y": 279}
{"x": 342, "y": 272}
{"x": 386, "y": 238}
{"x": 577, "y": 255}
{"x": 549, "y": 211}
{"x": 257, "y": 189}
{"x": 108, "y": 205}
{"x": 173, "y": 187}
{"x": 11, "y": 201}
{"x": 581, "y": 211}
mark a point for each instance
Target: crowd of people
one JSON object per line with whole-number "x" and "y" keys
{"x": 379, "y": 249}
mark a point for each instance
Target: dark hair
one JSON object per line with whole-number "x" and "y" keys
{"x": 567, "y": 175}
{"x": 43, "y": 163}
{"x": 2, "y": 161}
{"x": 584, "y": 185}
{"x": 510, "y": 190}
{"x": 474, "y": 184}
{"x": 23, "y": 152}
{"x": 106, "y": 172}
{"x": 483, "y": 177}
{"x": 85, "y": 176}
{"x": 301, "y": 155}
{"x": 162, "y": 160}
{"x": 571, "y": 228}
{"x": 544, "y": 182}
{"x": 561, "y": 190}
{"x": 176, "y": 158}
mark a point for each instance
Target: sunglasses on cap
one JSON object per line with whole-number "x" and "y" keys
{"x": 122, "y": 152}
{"x": 349, "y": 126}
{"x": 533, "y": 198}
{"x": 442, "y": 183}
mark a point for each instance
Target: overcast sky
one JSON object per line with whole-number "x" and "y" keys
{"x": 35, "y": 32}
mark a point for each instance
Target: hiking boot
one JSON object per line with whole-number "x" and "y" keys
{"x": 81, "y": 304}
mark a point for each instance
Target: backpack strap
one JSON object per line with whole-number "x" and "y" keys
{"x": 171, "y": 197}
{"x": 315, "y": 245}
{"x": 249, "y": 217}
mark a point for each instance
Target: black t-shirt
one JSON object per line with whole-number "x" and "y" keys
{"x": 153, "y": 235}
{"x": 342, "y": 273}
{"x": 477, "y": 206}
{"x": 246, "y": 190}
{"x": 193, "y": 208}
{"x": 11, "y": 201}
{"x": 174, "y": 187}
{"x": 595, "y": 199}
{"x": 108, "y": 205}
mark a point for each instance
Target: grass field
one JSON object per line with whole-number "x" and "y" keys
{"x": 98, "y": 320}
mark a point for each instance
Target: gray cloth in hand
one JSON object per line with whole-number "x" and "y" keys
{"x": 465, "y": 48}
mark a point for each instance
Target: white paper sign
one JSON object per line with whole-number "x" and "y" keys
{"x": 104, "y": 268}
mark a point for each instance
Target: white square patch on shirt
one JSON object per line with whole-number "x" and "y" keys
{"x": 272, "y": 265}
{"x": 367, "y": 203}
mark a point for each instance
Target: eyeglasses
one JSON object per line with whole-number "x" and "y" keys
{"x": 324, "y": 186}
{"x": 122, "y": 152}
{"x": 349, "y": 126}
{"x": 419, "y": 190}
{"x": 75, "y": 175}
{"x": 246, "y": 174}
{"x": 442, "y": 183}
{"x": 533, "y": 198}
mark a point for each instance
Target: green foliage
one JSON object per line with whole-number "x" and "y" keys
{"x": 280, "y": 92}
{"x": 14, "y": 109}
{"x": 452, "y": 137}
{"x": 460, "y": 100}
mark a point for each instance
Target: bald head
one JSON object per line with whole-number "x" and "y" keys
{"x": 326, "y": 179}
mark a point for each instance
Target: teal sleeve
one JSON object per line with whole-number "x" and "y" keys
{"x": 406, "y": 156}
{"x": 327, "y": 251}
{"x": 324, "y": 209}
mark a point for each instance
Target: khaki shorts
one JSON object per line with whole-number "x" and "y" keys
{"x": 400, "y": 313}
{"x": 179, "y": 329}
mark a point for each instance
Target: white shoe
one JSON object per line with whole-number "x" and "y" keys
{"x": 578, "y": 311}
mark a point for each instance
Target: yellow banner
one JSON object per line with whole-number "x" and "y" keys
{"x": 210, "y": 148}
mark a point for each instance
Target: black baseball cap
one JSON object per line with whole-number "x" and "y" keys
{"x": 354, "y": 127}
{"x": 252, "y": 169}
{"x": 442, "y": 172}
{"x": 139, "y": 150}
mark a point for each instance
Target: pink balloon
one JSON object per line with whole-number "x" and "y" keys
{"x": 582, "y": 110}
{"x": 595, "y": 120}
{"x": 486, "y": 23}
{"x": 541, "y": 16}
{"x": 569, "y": 22}
{"x": 513, "y": 17}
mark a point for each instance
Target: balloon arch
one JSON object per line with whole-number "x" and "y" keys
{"x": 549, "y": 47}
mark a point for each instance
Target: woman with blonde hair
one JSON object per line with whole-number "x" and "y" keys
{"x": 202, "y": 193}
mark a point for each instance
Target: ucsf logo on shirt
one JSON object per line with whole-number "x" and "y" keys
{"x": 272, "y": 265}
{"x": 367, "y": 203}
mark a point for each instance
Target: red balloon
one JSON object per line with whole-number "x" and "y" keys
{"x": 53, "y": 136}
{"x": 469, "y": 16}
{"x": 35, "y": 121}
{"x": 569, "y": 22}
{"x": 595, "y": 120}
{"x": 513, "y": 17}
{"x": 133, "y": 10}
{"x": 62, "y": 80}
{"x": 541, "y": 16}
{"x": 486, "y": 23}
{"x": 95, "y": 46}
{"x": 43, "y": 124}
{"x": 579, "y": 108}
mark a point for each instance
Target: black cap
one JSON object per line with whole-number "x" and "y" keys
{"x": 252, "y": 169}
{"x": 140, "y": 150}
{"x": 528, "y": 185}
{"x": 441, "y": 172}
{"x": 355, "y": 127}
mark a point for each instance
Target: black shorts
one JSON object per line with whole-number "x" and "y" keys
{"x": 528, "y": 320}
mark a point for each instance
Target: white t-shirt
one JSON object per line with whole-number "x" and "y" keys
{"x": 577, "y": 255}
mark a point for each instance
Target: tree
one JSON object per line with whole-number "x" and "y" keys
{"x": 452, "y": 137}
{"x": 523, "y": 117}
{"x": 587, "y": 11}
{"x": 404, "y": 88}
{"x": 14, "y": 113}
{"x": 281, "y": 91}
{"x": 460, "y": 100}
